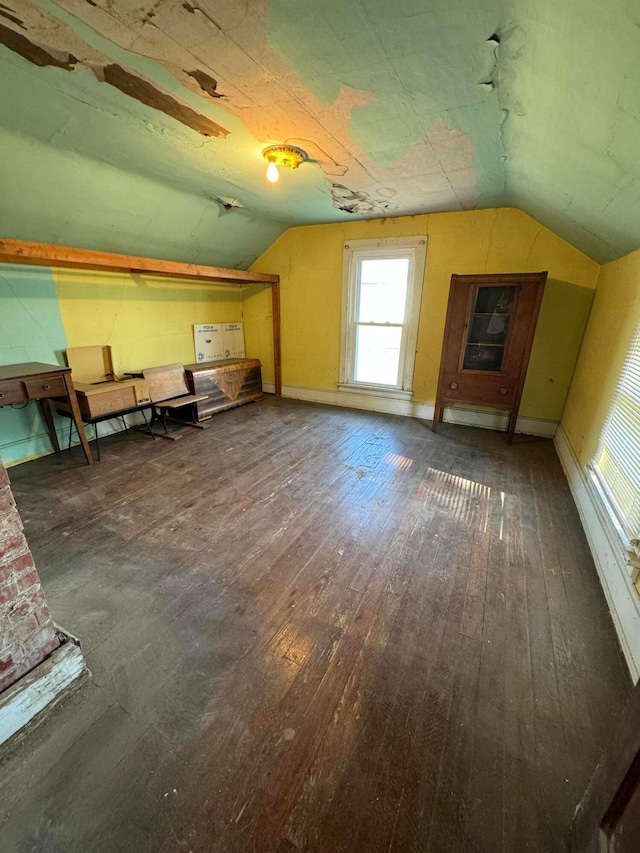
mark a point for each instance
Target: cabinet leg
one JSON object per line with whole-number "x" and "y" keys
{"x": 511, "y": 428}
{"x": 437, "y": 417}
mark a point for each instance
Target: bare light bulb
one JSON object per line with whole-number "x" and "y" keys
{"x": 272, "y": 172}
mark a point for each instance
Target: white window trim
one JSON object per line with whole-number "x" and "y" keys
{"x": 416, "y": 248}
{"x": 630, "y": 538}
{"x": 630, "y": 546}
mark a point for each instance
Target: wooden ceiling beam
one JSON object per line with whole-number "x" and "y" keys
{"x": 45, "y": 254}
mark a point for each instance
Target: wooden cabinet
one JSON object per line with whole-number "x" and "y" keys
{"x": 491, "y": 321}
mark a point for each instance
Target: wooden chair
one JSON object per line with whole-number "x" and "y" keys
{"x": 170, "y": 393}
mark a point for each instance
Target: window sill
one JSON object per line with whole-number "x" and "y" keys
{"x": 374, "y": 391}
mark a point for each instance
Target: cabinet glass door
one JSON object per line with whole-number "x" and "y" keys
{"x": 488, "y": 327}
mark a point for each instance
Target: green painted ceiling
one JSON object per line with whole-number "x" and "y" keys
{"x": 137, "y": 125}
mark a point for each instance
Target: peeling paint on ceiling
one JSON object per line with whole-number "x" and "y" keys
{"x": 402, "y": 108}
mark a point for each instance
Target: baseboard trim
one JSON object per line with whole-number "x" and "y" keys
{"x": 39, "y": 690}
{"x": 485, "y": 419}
{"x": 609, "y": 555}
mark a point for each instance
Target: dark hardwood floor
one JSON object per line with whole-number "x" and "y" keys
{"x": 314, "y": 629}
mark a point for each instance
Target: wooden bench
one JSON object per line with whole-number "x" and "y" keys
{"x": 170, "y": 394}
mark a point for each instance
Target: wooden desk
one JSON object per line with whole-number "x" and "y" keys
{"x": 32, "y": 380}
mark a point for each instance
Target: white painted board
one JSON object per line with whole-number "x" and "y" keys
{"x": 233, "y": 340}
{"x": 208, "y": 342}
{"x": 41, "y": 687}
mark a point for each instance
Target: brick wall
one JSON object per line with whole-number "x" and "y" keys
{"x": 27, "y": 633}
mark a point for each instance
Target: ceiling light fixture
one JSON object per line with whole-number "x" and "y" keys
{"x": 282, "y": 156}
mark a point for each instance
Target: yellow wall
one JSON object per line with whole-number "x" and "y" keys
{"x": 309, "y": 261}
{"x": 614, "y": 319}
{"x": 146, "y": 321}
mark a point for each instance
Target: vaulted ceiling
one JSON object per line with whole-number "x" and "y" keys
{"x": 137, "y": 125}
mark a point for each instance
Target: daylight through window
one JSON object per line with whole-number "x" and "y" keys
{"x": 617, "y": 462}
{"x": 382, "y": 302}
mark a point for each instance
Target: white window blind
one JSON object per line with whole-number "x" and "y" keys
{"x": 617, "y": 462}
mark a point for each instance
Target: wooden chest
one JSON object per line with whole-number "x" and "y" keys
{"x": 227, "y": 383}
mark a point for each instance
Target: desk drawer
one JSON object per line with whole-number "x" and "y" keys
{"x": 12, "y": 391}
{"x": 50, "y": 386}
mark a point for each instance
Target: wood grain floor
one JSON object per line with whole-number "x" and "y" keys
{"x": 315, "y": 629}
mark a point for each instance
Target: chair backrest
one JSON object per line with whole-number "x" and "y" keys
{"x": 165, "y": 382}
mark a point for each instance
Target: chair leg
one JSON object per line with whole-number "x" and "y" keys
{"x": 147, "y": 424}
{"x": 172, "y": 436}
{"x": 193, "y": 422}
{"x": 95, "y": 429}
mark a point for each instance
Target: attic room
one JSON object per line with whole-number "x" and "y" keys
{"x": 377, "y": 608}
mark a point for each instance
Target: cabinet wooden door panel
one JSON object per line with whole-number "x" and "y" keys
{"x": 489, "y": 331}
{"x": 496, "y": 390}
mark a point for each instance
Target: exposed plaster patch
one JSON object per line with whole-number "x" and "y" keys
{"x": 273, "y": 103}
{"x": 207, "y": 83}
{"x": 44, "y": 44}
{"x": 7, "y": 13}
{"x": 192, "y": 8}
{"x": 143, "y": 91}
{"x": 33, "y": 52}
{"x": 228, "y": 204}
{"x": 360, "y": 203}
{"x": 491, "y": 80}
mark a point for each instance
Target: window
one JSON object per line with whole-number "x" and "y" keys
{"x": 617, "y": 462}
{"x": 382, "y": 286}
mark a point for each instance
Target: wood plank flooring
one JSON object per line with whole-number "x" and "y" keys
{"x": 313, "y": 629}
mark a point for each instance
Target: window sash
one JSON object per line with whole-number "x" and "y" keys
{"x": 360, "y": 340}
{"x": 407, "y": 249}
{"x": 617, "y": 461}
